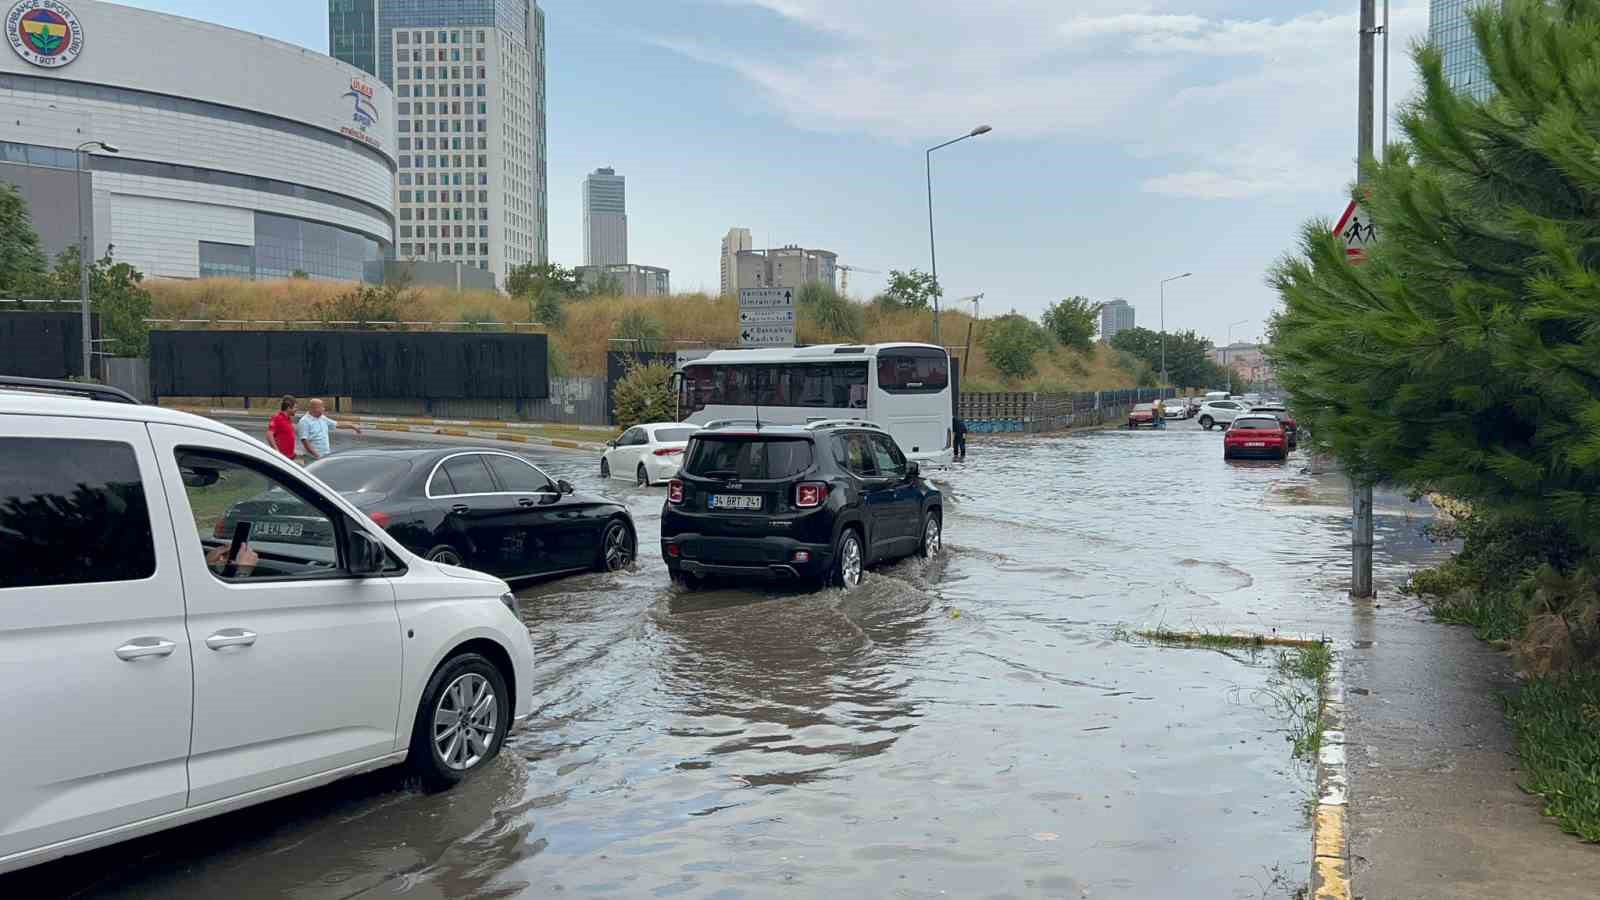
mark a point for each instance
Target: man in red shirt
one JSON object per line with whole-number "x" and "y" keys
{"x": 282, "y": 427}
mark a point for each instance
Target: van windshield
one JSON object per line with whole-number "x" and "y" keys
{"x": 744, "y": 457}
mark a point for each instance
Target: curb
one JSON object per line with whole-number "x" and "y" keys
{"x": 491, "y": 431}
{"x": 1330, "y": 848}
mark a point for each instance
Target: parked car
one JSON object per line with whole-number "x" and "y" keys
{"x": 480, "y": 508}
{"x": 1220, "y": 412}
{"x": 819, "y": 502}
{"x": 1253, "y": 435}
{"x": 180, "y": 675}
{"x": 1290, "y": 427}
{"x": 1142, "y": 414}
{"x": 649, "y": 454}
{"x": 1176, "y": 408}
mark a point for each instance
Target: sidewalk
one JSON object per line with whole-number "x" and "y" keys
{"x": 566, "y": 437}
{"x": 1435, "y": 810}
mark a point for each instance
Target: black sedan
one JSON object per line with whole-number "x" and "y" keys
{"x": 483, "y": 509}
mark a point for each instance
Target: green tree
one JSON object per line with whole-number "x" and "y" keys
{"x": 643, "y": 330}
{"x": 645, "y": 394}
{"x": 1188, "y": 355}
{"x": 549, "y": 308}
{"x": 912, "y": 290}
{"x": 22, "y": 266}
{"x": 1073, "y": 322}
{"x": 528, "y": 279}
{"x": 1464, "y": 357}
{"x": 1011, "y": 342}
{"x": 116, "y": 295}
{"x": 601, "y": 284}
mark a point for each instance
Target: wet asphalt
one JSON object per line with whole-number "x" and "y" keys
{"x": 975, "y": 726}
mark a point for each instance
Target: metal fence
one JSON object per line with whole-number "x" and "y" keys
{"x": 1032, "y": 413}
{"x": 572, "y": 401}
{"x": 132, "y": 374}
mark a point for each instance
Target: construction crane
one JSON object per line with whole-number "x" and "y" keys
{"x": 844, "y": 280}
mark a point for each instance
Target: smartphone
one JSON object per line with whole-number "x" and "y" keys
{"x": 241, "y": 533}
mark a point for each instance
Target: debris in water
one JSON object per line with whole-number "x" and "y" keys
{"x": 1046, "y": 836}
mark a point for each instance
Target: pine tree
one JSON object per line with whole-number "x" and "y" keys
{"x": 1464, "y": 356}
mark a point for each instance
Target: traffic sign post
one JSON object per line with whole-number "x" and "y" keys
{"x": 766, "y": 317}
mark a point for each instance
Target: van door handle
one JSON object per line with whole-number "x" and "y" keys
{"x": 139, "y": 648}
{"x": 231, "y": 637}
{"x": 527, "y": 501}
{"x": 461, "y": 508}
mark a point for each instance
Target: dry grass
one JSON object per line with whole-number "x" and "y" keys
{"x": 582, "y": 340}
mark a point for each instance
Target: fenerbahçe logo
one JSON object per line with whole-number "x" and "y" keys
{"x": 44, "y": 32}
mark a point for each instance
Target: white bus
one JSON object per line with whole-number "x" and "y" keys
{"x": 904, "y": 388}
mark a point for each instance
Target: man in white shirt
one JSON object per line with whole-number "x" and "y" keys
{"x": 316, "y": 430}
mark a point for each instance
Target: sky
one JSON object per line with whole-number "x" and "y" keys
{"x": 1133, "y": 140}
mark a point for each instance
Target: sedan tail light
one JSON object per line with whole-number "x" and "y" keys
{"x": 669, "y": 451}
{"x": 674, "y": 491}
{"x": 810, "y": 494}
{"x": 380, "y": 519}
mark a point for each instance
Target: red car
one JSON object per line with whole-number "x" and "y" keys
{"x": 1143, "y": 414}
{"x": 1256, "y": 435}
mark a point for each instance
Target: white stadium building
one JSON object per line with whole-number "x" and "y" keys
{"x": 235, "y": 154}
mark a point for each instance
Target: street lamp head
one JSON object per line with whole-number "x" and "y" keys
{"x": 981, "y": 129}
{"x": 109, "y": 148}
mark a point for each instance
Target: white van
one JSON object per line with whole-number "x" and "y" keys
{"x": 156, "y": 669}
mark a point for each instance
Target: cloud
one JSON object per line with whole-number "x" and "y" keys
{"x": 1224, "y": 106}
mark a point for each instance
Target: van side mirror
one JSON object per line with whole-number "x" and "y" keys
{"x": 564, "y": 486}
{"x": 913, "y": 471}
{"x": 366, "y": 554}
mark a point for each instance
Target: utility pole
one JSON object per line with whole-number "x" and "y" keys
{"x": 1361, "y": 493}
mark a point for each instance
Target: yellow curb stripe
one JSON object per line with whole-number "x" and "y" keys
{"x": 1329, "y": 832}
{"x": 507, "y": 436}
{"x": 453, "y": 432}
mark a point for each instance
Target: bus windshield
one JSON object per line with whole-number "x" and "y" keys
{"x": 820, "y": 385}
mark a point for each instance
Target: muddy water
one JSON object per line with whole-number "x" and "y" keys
{"x": 968, "y": 727}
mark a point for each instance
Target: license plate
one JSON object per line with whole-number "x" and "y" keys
{"x": 277, "y": 529}
{"x": 1255, "y": 443}
{"x": 734, "y": 501}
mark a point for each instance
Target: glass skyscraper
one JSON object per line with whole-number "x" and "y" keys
{"x": 1450, "y": 29}
{"x": 469, "y": 84}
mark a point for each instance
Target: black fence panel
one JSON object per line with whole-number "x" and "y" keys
{"x": 43, "y": 344}
{"x": 423, "y": 365}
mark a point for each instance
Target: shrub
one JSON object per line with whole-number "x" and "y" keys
{"x": 642, "y": 329}
{"x": 1011, "y": 342}
{"x": 645, "y": 394}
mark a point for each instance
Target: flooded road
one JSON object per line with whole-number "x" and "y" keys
{"x": 977, "y": 726}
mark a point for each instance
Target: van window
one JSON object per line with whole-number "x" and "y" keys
{"x": 285, "y": 534}
{"x": 72, "y": 512}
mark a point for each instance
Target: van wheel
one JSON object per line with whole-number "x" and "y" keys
{"x": 444, "y": 553}
{"x": 849, "y": 560}
{"x": 461, "y": 722}
{"x": 605, "y": 468}
{"x": 1206, "y": 422}
{"x": 932, "y": 535}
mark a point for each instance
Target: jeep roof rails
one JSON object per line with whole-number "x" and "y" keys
{"x": 83, "y": 389}
{"x": 842, "y": 423}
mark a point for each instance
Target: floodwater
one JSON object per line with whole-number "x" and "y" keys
{"x": 977, "y": 726}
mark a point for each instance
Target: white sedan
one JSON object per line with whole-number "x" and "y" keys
{"x": 1221, "y": 412}
{"x": 647, "y": 454}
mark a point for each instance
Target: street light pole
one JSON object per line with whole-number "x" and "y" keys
{"x": 1226, "y": 348}
{"x": 933, "y": 257}
{"x": 83, "y": 255}
{"x": 1164, "y": 324}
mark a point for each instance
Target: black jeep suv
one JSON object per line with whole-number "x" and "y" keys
{"x": 816, "y": 503}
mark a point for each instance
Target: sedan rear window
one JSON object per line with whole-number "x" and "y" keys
{"x": 674, "y": 435}
{"x": 361, "y": 474}
{"x": 757, "y": 459}
{"x": 1257, "y": 424}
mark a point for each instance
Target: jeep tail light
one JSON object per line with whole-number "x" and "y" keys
{"x": 380, "y": 519}
{"x": 674, "y": 491}
{"x": 669, "y": 451}
{"x": 810, "y": 494}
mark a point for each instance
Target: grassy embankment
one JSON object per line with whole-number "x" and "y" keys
{"x": 580, "y": 340}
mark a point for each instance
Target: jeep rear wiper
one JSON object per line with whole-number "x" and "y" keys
{"x": 723, "y": 474}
